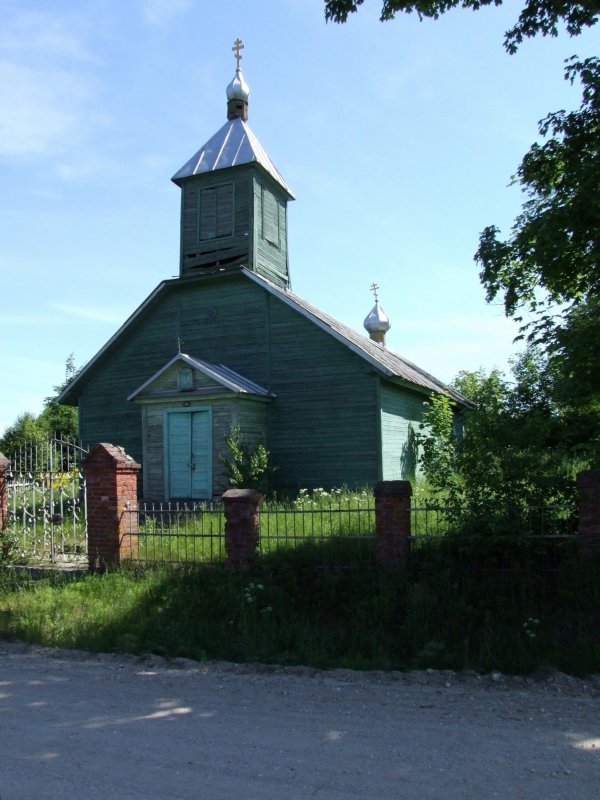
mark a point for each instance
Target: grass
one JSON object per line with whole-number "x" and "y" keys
{"x": 178, "y": 534}
{"x": 447, "y": 609}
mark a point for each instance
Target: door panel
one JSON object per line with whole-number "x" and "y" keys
{"x": 188, "y": 441}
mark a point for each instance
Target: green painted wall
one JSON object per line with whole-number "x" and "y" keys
{"x": 270, "y": 231}
{"x": 257, "y": 235}
{"x": 401, "y": 414}
{"x": 200, "y": 253}
{"x": 324, "y": 424}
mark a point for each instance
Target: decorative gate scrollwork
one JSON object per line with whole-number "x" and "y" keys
{"x": 46, "y": 504}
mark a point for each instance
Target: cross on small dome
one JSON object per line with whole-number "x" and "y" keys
{"x": 238, "y": 90}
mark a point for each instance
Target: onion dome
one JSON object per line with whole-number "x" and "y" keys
{"x": 238, "y": 89}
{"x": 377, "y": 323}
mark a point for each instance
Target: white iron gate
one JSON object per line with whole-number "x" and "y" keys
{"x": 47, "y": 509}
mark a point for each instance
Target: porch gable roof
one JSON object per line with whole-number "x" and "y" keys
{"x": 219, "y": 373}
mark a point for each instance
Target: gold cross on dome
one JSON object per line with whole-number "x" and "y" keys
{"x": 237, "y": 46}
{"x": 374, "y": 289}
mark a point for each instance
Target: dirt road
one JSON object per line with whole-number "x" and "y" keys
{"x": 75, "y": 725}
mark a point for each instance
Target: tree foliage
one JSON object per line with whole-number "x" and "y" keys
{"x": 57, "y": 419}
{"x": 536, "y": 17}
{"x": 513, "y": 453}
{"x": 553, "y": 253}
{"x": 24, "y": 430}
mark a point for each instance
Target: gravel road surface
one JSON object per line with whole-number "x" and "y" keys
{"x": 79, "y": 725}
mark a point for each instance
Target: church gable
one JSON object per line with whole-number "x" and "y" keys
{"x": 191, "y": 377}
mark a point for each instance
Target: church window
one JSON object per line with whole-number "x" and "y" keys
{"x": 216, "y": 212}
{"x": 185, "y": 379}
{"x": 270, "y": 217}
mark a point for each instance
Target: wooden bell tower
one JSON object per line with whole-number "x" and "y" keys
{"x": 234, "y": 200}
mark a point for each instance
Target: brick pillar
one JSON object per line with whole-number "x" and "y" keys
{"x": 111, "y": 482}
{"x": 4, "y": 465}
{"x": 392, "y": 522}
{"x": 588, "y": 487}
{"x": 242, "y": 520}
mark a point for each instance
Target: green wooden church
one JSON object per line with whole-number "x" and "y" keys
{"x": 333, "y": 407}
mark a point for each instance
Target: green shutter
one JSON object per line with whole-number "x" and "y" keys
{"x": 216, "y": 212}
{"x": 270, "y": 217}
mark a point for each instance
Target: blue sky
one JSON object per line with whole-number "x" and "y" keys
{"x": 398, "y": 140}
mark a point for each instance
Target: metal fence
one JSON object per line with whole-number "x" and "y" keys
{"x": 437, "y": 519}
{"x": 47, "y": 510}
{"x": 346, "y": 523}
{"x": 545, "y": 533}
{"x": 195, "y": 531}
{"x": 177, "y": 532}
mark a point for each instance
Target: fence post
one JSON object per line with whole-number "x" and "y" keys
{"x": 242, "y": 520}
{"x": 4, "y": 466}
{"x": 392, "y": 522}
{"x": 111, "y": 481}
{"x": 588, "y": 488}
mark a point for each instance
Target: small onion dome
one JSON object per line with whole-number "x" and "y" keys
{"x": 238, "y": 89}
{"x": 377, "y": 321}
{"x": 377, "y": 324}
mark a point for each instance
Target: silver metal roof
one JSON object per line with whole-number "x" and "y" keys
{"x": 218, "y": 372}
{"x": 232, "y": 145}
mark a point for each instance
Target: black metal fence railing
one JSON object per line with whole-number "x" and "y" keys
{"x": 195, "y": 531}
{"x": 177, "y": 532}
{"x": 433, "y": 520}
{"x": 347, "y": 523}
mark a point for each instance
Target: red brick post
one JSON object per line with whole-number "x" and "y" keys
{"x": 111, "y": 483}
{"x": 4, "y": 465}
{"x": 242, "y": 521}
{"x": 588, "y": 487}
{"x": 392, "y": 522}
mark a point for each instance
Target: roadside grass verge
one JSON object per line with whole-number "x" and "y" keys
{"x": 445, "y": 609}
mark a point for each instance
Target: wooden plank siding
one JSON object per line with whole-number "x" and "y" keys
{"x": 270, "y": 214}
{"x": 258, "y": 237}
{"x": 401, "y": 414}
{"x": 208, "y": 237}
{"x": 237, "y": 337}
{"x": 323, "y": 426}
{"x": 105, "y": 414}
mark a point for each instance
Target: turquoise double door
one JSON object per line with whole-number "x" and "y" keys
{"x": 188, "y": 454}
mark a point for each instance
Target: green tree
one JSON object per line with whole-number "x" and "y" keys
{"x": 24, "y": 430}
{"x": 537, "y": 16}
{"x": 512, "y": 454}
{"x": 553, "y": 252}
{"x": 57, "y": 419}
